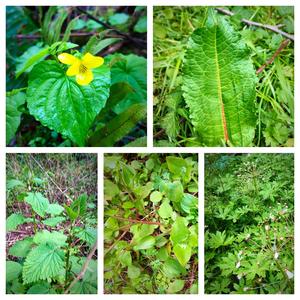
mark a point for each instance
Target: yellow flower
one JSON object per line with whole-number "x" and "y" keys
{"x": 81, "y": 67}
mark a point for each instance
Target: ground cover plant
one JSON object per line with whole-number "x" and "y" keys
{"x": 76, "y": 76}
{"x": 150, "y": 224}
{"x": 223, "y": 76}
{"x": 51, "y": 225}
{"x": 249, "y": 223}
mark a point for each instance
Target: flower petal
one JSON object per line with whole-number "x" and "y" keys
{"x": 91, "y": 61}
{"x": 84, "y": 78}
{"x": 73, "y": 69}
{"x": 67, "y": 58}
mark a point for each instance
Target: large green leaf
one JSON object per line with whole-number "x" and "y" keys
{"x": 179, "y": 231}
{"x": 38, "y": 203}
{"x": 219, "y": 85}
{"x": 13, "y": 269}
{"x": 21, "y": 248}
{"x": 13, "y": 221}
{"x": 14, "y": 100}
{"x": 183, "y": 253}
{"x": 55, "y": 209}
{"x": 55, "y": 238}
{"x": 58, "y": 102}
{"x": 43, "y": 263}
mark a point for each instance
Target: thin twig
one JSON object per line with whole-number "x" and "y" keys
{"x": 137, "y": 221}
{"x": 118, "y": 239}
{"x": 277, "y": 52}
{"x": 274, "y": 28}
{"x": 140, "y": 42}
{"x": 83, "y": 270}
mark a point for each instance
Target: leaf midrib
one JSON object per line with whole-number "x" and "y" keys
{"x": 219, "y": 86}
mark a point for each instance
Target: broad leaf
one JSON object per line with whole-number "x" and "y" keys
{"x": 13, "y": 183}
{"x": 145, "y": 243}
{"x": 41, "y": 288}
{"x": 14, "y": 100}
{"x": 13, "y": 221}
{"x": 79, "y": 205}
{"x": 58, "y": 102}
{"x": 21, "y": 248}
{"x": 133, "y": 272}
{"x": 125, "y": 258}
{"x": 155, "y": 197}
{"x": 219, "y": 85}
{"x": 38, "y": 203}
{"x": 165, "y": 210}
{"x": 172, "y": 268}
{"x": 180, "y": 231}
{"x": 43, "y": 263}
{"x": 87, "y": 234}
{"x": 176, "y": 286}
{"x": 54, "y": 209}
{"x": 13, "y": 269}
{"x": 54, "y": 221}
{"x": 55, "y": 238}
{"x": 183, "y": 253}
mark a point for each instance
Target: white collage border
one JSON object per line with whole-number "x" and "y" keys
{"x": 149, "y": 149}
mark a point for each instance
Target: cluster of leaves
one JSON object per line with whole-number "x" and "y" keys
{"x": 184, "y": 75}
{"x": 45, "y": 107}
{"x": 249, "y": 223}
{"x": 58, "y": 237}
{"x": 151, "y": 224}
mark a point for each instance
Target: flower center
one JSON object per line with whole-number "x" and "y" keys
{"x": 82, "y": 68}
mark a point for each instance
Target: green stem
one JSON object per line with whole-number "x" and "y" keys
{"x": 70, "y": 238}
{"x": 34, "y": 222}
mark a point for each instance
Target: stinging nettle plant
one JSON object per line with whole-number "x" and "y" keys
{"x": 49, "y": 261}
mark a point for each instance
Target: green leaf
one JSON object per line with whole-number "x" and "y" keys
{"x": 41, "y": 288}
{"x": 119, "y": 126}
{"x": 155, "y": 197}
{"x": 14, "y": 100}
{"x": 43, "y": 263}
{"x": 125, "y": 258}
{"x": 54, "y": 209}
{"x": 79, "y": 205}
{"x": 172, "y": 268}
{"x": 183, "y": 253}
{"x": 174, "y": 191}
{"x": 133, "y": 272}
{"x": 58, "y": 102}
{"x": 131, "y": 69}
{"x": 13, "y": 270}
{"x": 165, "y": 210}
{"x": 141, "y": 25}
{"x": 118, "y": 19}
{"x": 13, "y": 183}
{"x": 31, "y": 57}
{"x": 21, "y": 248}
{"x": 13, "y": 221}
{"x": 179, "y": 231}
{"x": 87, "y": 234}
{"x": 176, "y": 286}
{"x": 219, "y": 239}
{"x": 55, "y": 238}
{"x": 110, "y": 189}
{"x": 38, "y": 203}
{"x": 144, "y": 243}
{"x": 96, "y": 44}
{"x": 54, "y": 221}
{"x": 219, "y": 85}
{"x": 71, "y": 213}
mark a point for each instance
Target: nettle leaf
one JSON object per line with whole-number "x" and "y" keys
{"x": 21, "y": 248}
{"x": 183, "y": 253}
{"x": 180, "y": 231}
{"x": 54, "y": 221}
{"x": 14, "y": 100}
{"x": 13, "y": 183}
{"x": 44, "y": 262}
{"x": 58, "y": 102}
{"x": 41, "y": 288}
{"x": 79, "y": 205}
{"x": 13, "y": 221}
{"x": 219, "y": 85}
{"x": 13, "y": 270}
{"x": 55, "y": 238}
{"x": 87, "y": 234}
{"x": 54, "y": 209}
{"x": 38, "y": 203}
